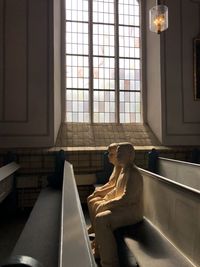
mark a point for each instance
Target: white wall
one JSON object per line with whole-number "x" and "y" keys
{"x": 57, "y": 66}
{"x": 180, "y": 112}
{"x": 27, "y": 79}
{"x": 153, "y": 72}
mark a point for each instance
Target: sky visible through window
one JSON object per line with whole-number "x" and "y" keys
{"x": 103, "y": 69}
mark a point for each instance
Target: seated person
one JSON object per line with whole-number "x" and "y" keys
{"x": 101, "y": 192}
{"x": 121, "y": 206}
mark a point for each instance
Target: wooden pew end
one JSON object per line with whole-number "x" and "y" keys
{"x": 21, "y": 261}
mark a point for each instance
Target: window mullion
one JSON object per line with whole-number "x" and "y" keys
{"x": 116, "y": 63}
{"x": 90, "y": 31}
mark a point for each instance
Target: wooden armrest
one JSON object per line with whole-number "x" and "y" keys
{"x": 21, "y": 261}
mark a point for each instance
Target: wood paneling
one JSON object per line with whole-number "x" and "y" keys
{"x": 15, "y": 65}
{"x": 26, "y": 76}
{"x": 1, "y": 57}
{"x": 182, "y": 111}
{"x": 39, "y": 65}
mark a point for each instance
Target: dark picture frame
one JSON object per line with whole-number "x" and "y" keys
{"x": 196, "y": 48}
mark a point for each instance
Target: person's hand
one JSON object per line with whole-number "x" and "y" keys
{"x": 101, "y": 207}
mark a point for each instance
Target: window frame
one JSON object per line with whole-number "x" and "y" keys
{"x": 143, "y": 93}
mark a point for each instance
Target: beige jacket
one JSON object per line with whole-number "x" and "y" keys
{"x": 127, "y": 193}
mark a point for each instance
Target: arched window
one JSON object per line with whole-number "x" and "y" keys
{"x": 103, "y": 68}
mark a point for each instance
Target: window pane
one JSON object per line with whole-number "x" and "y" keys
{"x": 103, "y": 36}
{"x": 103, "y": 11}
{"x": 129, "y": 42}
{"x": 128, "y": 12}
{"x": 130, "y": 108}
{"x": 129, "y": 75}
{"x": 76, "y": 38}
{"x": 103, "y": 74}
{"x": 77, "y": 105}
{"x": 77, "y": 72}
{"x": 77, "y": 10}
{"x": 104, "y": 107}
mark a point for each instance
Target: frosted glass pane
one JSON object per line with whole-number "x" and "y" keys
{"x": 138, "y": 117}
{"x": 80, "y": 106}
{"x": 96, "y": 107}
{"x": 104, "y": 11}
{"x": 74, "y": 95}
{"x": 101, "y": 117}
{"x": 96, "y": 117}
{"x": 86, "y": 95}
{"x": 85, "y": 107}
{"x": 77, "y": 61}
{"x": 122, "y": 107}
{"x": 112, "y": 117}
{"x": 107, "y": 105}
{"x": 112, "y": 106}
{"x": 138, "y": 107}
{"x": 104, "y": 107}
{"x": 80, "y": 95}
{"x": 80, "y": 117}
{"x": 107, "y": 117}
{"x": 69, "y": 116}
{"x": 69, "y": 106}
{"x": 112, "y": 96}
{"x": 75, "y": 117}
{"x": 86, "y": 117}
{"x": 129, "y": 106}
{"x": 121, "y": 118}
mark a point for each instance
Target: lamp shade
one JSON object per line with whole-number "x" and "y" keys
{"x": 158, "y": 18}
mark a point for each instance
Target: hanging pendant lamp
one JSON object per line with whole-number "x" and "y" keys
{"x": 158, "y": 18}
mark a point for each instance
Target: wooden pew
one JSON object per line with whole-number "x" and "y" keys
{"x": 74, "y": 242}
{"x": 180, "y": 171}
{"x": 40, "y": 236}
{"x": 55, "y": 233}
{"x": 7, "y": 179}
{"x": 169, "y": 236}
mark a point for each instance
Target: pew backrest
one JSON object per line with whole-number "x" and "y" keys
{"x": 74, "y": 242}
{"x": 6, "y": 179}
{"x": 180, "y": 171}
{"x": 175, "y": 210}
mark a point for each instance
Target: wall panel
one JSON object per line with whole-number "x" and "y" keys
{"x": 39, "y": 65}
{"x": 26, "y": 68}
{"x": 179, "y": 111}
{"x": 1, "y": 57}
{"x": 15, "y": 64}
{"x": 182, "y": 111}
{"x": 190, "y": 16}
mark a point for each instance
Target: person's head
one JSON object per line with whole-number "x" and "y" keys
{"x": 112, "y": 153}
{"x": 125, "y": 154}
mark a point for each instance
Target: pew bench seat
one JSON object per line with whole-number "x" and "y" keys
{"x": 149, "y": 247}
{"x": 40, "y": 236}
{"x": 7, "y": 179}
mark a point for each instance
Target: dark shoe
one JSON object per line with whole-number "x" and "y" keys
{"x": 92, "y": 236}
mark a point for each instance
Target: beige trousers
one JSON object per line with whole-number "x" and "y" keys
{"x": 92, "y": 205}
{"x": 105, "y": 224}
